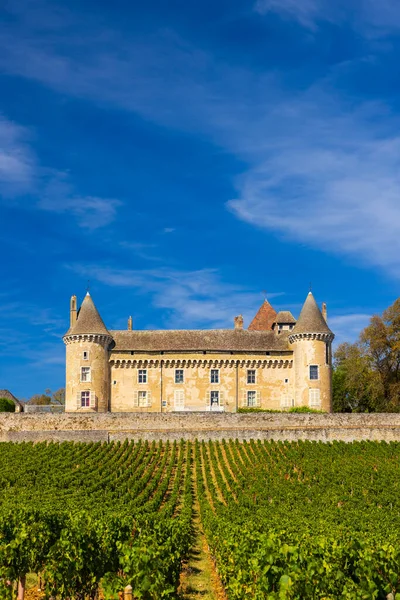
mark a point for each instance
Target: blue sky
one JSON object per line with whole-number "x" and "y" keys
{"x": 185, "y": 156}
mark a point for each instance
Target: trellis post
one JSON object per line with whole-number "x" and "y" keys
{"x": 128, "y": 592}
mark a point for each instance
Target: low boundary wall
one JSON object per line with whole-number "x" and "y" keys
{"x": 203, "y": 426}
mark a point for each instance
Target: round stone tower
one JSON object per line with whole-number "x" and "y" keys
{"x": 311, "y": 340}
{"x": 87, "y": 343}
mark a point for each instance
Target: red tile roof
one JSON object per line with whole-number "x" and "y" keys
{"x": 264, "y": 318}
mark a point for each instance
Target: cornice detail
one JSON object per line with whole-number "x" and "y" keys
{"x": 195, "y": 363}
{"x": 98, "y": 338}
{"x": 323, "y": 337}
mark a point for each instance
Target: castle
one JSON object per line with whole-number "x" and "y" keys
{"x": 277, "y": 363}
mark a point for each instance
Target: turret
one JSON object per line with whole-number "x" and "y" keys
{"x": 311, "y": 340}
{"x": 87, "y": 362}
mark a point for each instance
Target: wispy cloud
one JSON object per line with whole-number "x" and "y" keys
{"x": 23, "y": 179}
{"x": 371, "y": 17}
{"x": 17, "y": 161}
{"x": 348, "y": 327}
{"x": 187, "y": 298}
{"x": 320, "y": 168}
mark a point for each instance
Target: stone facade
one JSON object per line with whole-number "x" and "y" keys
{"x": 276, "y": 364}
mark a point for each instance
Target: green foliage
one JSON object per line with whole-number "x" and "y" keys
{"x": 294, "y": 409}
{"x": 6, "y": 405}
{"x": 366, "y": 374}
{"x": 283, "y": 520}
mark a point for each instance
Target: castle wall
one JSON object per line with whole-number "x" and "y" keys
{"x": 84, "y": 427}
{"x": 274, "y": 381}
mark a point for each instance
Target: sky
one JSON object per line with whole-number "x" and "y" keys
{"x": 183, "y": 159}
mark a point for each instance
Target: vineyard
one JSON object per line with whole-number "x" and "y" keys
{"x": 281, "y": 520}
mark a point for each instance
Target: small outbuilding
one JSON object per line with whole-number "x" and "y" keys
{"x": 19, "y": 407}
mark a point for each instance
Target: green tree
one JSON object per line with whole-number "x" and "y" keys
{"x": 366, "y": 374}
{"x": 6, "y": 405}
{"x": 40, "y": 400}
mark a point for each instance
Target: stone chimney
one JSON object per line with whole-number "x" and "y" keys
{"x": 130, "y": 324}
{"x": 238, "y": 321}
{"x": 324, "y": 312}
{"x": 72, "y": 311}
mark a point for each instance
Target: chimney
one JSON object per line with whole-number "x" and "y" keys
{"x": 324, "y": 312}
{"x": 130, "y": 324}
{"x": 238, "y": 321}
{"x": 72, "y": 311}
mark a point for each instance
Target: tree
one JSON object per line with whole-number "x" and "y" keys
{"x": 366, "y": 374}
{"x": 59, "y": 396}
{"x": 40, "y": 400}
{"x": 6, "y": 405}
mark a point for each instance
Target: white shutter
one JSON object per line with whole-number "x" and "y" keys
{"x": 135, "y": 398}
{"x": 244, "y": 401}
{"x": 92, "y": 400}
{"x": 221, "y": 398}
{"x": 78, "y": 400}
{"x": 314, "y": 398}
{"x": 258, "y": 399}
{"x": 179, "y": 399}
{"x": 148, "y": 398}
{"x": 208, "y": 398}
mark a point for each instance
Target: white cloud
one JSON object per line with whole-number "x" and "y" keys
{"x": 188, "y": 298}
{"x": 368, "y": 16}
{"x": 17, "y": 161}
{"x": 319, "y": 168}
{"x": 22, "y": 176}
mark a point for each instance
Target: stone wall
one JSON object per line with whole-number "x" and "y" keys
{"x": 119, "y": 426}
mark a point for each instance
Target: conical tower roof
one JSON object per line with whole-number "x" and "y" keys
{"x": 311, "y": 319}
{"x": 264, "y": 318}
{"x": 89, "y": 320}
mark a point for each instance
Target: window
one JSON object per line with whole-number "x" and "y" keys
{"x": 251, "y": 398}
{"x": 286, "y": 380}
{"x": 328, "y": 353}
{"x": 142, "y": 396}
{"x": 251, "y": 376}
{"x": 314, "y": 398}
{"x": 179, "y": 399}
{"x": 178, "y": 375}
{"x": 85, "y": 373}
{"x": 142, "y": 376}
{"x": 214, "y": 398}
{"x": 313, "y": 371}
{"x": 85, "y": 355}
{"x": 85, "y": 398}
{"x": 214, "y": 377}
{"x": 286, "y": 401}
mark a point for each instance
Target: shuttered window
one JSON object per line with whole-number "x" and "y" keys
{"x": 142, "y": 398}
{"x": 179, "y": 399}
{"x": 314, "y": 396}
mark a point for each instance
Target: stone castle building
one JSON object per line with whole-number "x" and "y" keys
{"x": 277, "y": 363}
